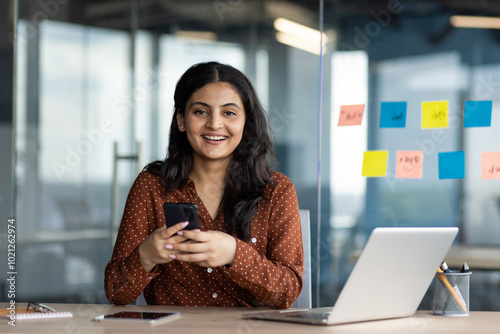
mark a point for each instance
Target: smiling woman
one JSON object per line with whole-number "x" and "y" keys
{"x": 248, "y": 251}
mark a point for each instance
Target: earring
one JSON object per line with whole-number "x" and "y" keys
{"x": 182, "y": 127}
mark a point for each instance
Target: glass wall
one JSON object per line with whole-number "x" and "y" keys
{"x": 94, "y": 100}
{"x": 417, "y": 52}
{"x": 95, "y": 84}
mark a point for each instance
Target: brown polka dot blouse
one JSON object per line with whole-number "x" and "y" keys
{"x": 267, "y": 271}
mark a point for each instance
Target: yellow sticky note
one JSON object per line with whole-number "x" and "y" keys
{"x": 434, "y": 114}
{"x": 374, "y": 163}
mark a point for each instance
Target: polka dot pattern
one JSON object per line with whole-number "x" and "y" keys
{"x": 267, "y": 271}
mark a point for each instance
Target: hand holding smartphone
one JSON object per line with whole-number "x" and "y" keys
{"x": 180, "y": 212}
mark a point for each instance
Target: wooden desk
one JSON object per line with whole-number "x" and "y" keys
{"x": 228, "y": 320}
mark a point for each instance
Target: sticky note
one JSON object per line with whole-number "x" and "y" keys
{"x": 490, "y": 165}
{"x": 451, "y": 165}
{"x": 409, "y": 164}
{"x": 393, "y": 114}
{"x": 351, "y": 114}
{"x": 434, "y": 114}
{"x": 374, "y": 163}
{"x": 477, "y": 113}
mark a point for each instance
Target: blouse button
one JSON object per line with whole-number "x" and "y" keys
{"x": 254, "y": 240}
{"x": 214, "y": 295}
{"x": 210, "y": 270}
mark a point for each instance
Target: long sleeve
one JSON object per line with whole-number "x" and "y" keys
{"x": 125, "y": 277}
{"x": 273, "y": 276}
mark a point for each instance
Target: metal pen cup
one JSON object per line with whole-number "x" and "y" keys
{"x": 451, "y": 294}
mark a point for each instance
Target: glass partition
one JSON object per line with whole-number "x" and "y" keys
{"x": 417, "y": 52}
{"x": 95, "y": 100}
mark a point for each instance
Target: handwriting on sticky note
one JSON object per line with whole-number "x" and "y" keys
{"x": 374, "y": 163}
{"x": 351, "y": 114}
{"x": 434, "y": 114}
{"x": 409, "y": 164}
{"x": 438, "y": 115}
{"x": 397, "y": 117}
{"x": 490, "y": 165}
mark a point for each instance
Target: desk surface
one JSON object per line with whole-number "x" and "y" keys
{"x": 228, "y": 320}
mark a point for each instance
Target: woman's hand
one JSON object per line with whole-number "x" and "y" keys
{"x": 154, "y": 249}
{"x": 207, "y": 249}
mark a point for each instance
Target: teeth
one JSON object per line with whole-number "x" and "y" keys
{"x": 214, "y": 137}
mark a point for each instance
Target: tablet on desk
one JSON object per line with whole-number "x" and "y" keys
{"x": 152, "y": 318}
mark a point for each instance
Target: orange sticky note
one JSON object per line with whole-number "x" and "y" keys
{"x": 374, "y": 163}
{"x": 490, "y": 165}
{"x": 409, "y": 164}
{"x": 351, "y": 114}
{"x": 434, "y": 114}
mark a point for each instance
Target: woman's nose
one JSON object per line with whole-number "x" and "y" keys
{"x": 214, "y": 121}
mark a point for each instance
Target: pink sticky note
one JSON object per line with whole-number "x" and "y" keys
{"x": 409, "y": 164}
{"x": 351, "y": 114}
{"x": 490, "y": 165}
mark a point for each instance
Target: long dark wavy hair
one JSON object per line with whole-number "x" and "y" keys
{"x": 248, "y": 173}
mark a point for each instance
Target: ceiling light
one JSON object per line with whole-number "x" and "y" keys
{"x": 298, "y": 43}
{"x": 299, "y": 36}
{"x": 199, "y": 35}
{"x": 484, "y": 22}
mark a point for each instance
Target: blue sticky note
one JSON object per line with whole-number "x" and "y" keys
{"x": 477, "y": 113}
{"x": 451, "y": 165}
{"x": 393, "y": 114}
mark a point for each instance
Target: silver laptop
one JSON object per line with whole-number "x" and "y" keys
{"x": 389, "y": 279}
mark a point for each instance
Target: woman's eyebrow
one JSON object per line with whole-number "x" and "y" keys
{"x": 229, "y": 104}
{"x": 200, "y": 103}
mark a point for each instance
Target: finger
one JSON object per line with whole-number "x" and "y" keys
{"x": 195, "y": 235}
{"x": 196, "y": 258}
{"x": 170, "y": 231}
{"x": 194, "y": 247}
{"x": 175, "y": 239}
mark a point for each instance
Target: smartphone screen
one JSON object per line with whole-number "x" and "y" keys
{"x": 180, "y": 212}
{"x": 139, "y": 316}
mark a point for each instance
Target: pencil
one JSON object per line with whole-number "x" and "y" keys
{"x": 457, "y": 298}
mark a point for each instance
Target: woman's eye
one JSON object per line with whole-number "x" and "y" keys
{"x": 230, "y": 113}
{"x": 199, "y": 112}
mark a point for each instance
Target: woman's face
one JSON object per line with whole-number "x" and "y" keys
{"x": 213, "y": 121}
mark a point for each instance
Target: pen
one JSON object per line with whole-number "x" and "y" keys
{"x": 444, "y": 267}
{"x": 454, "y": 293}
{"x": 465, "y": 268}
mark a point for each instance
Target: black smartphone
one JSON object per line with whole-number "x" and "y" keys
{"x": 180, "y": 212}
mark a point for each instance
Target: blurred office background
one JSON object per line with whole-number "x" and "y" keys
{"x": 86, "y": 101}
